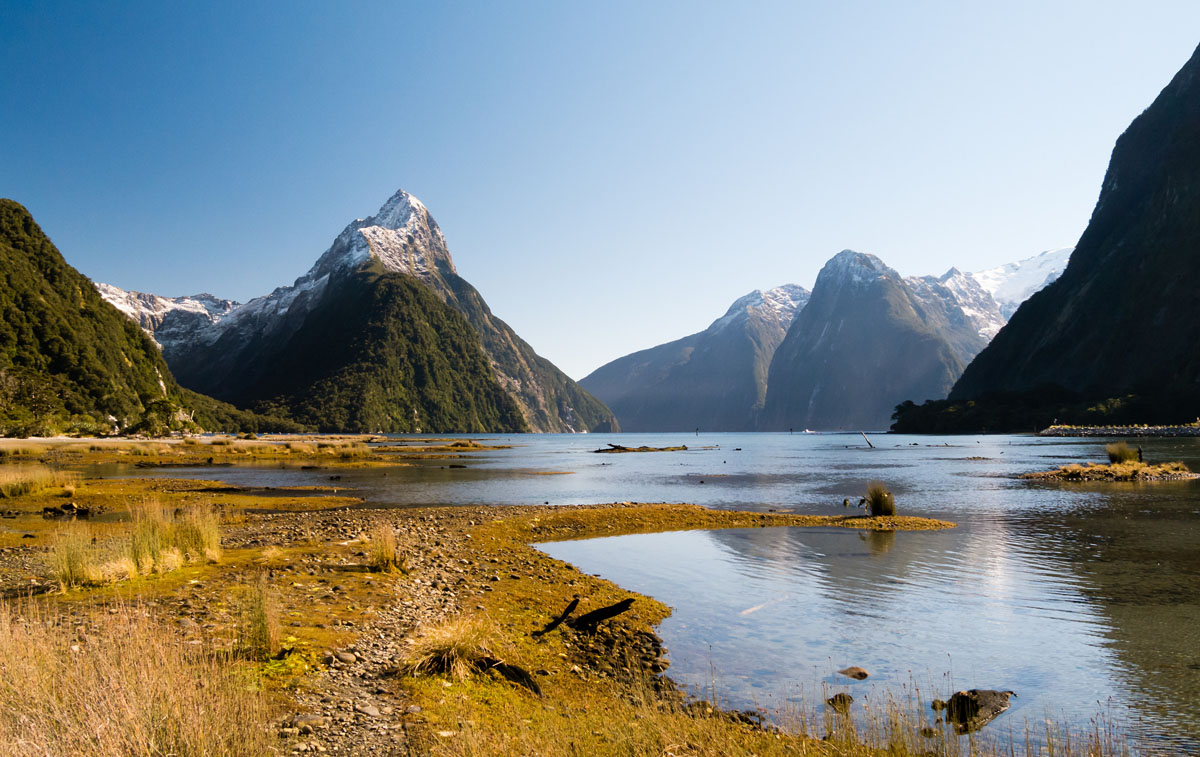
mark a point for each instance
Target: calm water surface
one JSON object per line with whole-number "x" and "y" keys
{"x": 1083, "y": 598}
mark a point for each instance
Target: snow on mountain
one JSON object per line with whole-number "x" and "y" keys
{"x": 1013, "y": 283}
{"x": 958, "y": 291}
{"x": 779, "y": 305}
{"x": 168, "y": 320}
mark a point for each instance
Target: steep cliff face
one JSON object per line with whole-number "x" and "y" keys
{"x": 1124, "y": 317}
{"x": 715, "y": 379}
{"x": 236, "y": 356}
{"x": 864, "y": 342}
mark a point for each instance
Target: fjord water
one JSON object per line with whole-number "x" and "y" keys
{"x": 1082, "y": 598}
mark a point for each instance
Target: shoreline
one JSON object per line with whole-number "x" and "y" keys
{"x": 1119, "y": 431}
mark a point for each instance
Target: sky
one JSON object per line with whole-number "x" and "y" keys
{"x": 610, "y": 176}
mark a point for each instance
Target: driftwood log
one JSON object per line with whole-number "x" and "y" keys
{"x": 558, "y": 621}
{"x": 588, "y": 621}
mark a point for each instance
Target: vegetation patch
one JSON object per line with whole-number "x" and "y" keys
{"x": 1119, "y": 471}
{"x": 121, "y": 683}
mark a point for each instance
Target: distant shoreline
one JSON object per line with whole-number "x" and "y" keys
{"x": 1183, "y": 430}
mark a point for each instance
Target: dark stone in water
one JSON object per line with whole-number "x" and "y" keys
{"x": 840, "y": 702}
{"x": 854, "y": 672}
{"x": 973, "y": 709}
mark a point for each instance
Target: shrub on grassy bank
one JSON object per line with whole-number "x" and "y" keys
{"x": 1120, "y": 452}
{"x": 129, "y": 686}
{"x": 880, "y": 501}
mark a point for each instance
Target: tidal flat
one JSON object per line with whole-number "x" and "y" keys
{"x": 335, "y": 676}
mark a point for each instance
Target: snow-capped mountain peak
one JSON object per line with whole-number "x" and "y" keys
{"x": 780, "y": 304}
{"x": 851, "y": 267}
{"x": 1013, "y": 283}
{"x": 168, "y": 320}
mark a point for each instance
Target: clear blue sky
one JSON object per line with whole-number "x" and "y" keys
{"x": 609, "y": 175}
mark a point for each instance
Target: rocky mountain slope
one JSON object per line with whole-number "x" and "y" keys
{"x": 170, "y": 321}
{"x": 867, "y": 339}
{"x": 239, "y": 355}
{"x": 715, "y": 379}
{"x": 1124, "y": 317}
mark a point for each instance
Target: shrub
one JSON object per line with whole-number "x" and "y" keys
{"x": 455, "y": 648}
{"x": 1120, "y": 452}
{"x": 879, "y": 500}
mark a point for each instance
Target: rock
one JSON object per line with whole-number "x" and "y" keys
{"x": 854, "y": 672}
{"x": 413, "y": 709}
{"x": 348, "y": 657}
{"x": 369, "y": 710}
{"x": 973, "y": 709}
{"x": 309, "y": 719}
{"x": 286, "y": 732}
{"x": 840, "y": 702}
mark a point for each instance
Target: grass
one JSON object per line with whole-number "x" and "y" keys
{"x": 258, "y": 624}
{"x": 383, "y": 555}
{"x": 157, "y": 541}
{"x": 1120, "y": 452}
{"x": 1127, "y": 471}
{"x": 880, "y": 502}
{"x": 19, "y": 480}
{"x": 122, "y": 685}
{"x": 454, "y": 648}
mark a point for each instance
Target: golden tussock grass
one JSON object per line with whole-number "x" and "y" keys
{"x": 1120, "y": 452}
{"x": 258, "y": 621}
{"x": 158, "y": 540}
{"x": 880, "y": 502}
{"x": 126, "y": 686}
{"x": 453, "y": 648}
{"x": 383, "y": 555}
{"x": 19, "y": 480}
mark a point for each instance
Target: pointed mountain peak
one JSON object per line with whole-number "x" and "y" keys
{"x": 851, "y": 267}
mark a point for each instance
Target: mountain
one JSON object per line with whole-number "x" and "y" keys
{"x": 72, "y": 363}
{"x": 715, "y": 379}
{"x": 381, "y": 334}
{"x": 1122, "y": 317}
{"x": 1113, "y": 338}
{"x": 1013, "y": 283}
{"x": 867, "y": 339}
{"x": 170, "y": 321}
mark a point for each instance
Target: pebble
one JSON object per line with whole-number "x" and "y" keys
{"x": 369, "y": 710}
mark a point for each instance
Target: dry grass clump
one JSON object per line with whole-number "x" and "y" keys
{"x": 1120, "y": 452}
{"x": 157, "y": 541}
{"x": 455, "y": 648}
{"x": 301, "y": 448}
{"x": 197, "y": 535}
{"x": 258, "y": 624}
{"x": 222, "y": 442}
{"x": 19, "y": 480}
{"x": 129, "y": 686}
{"x": 384, "y": 557}
{"x": 880, "y": 501}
